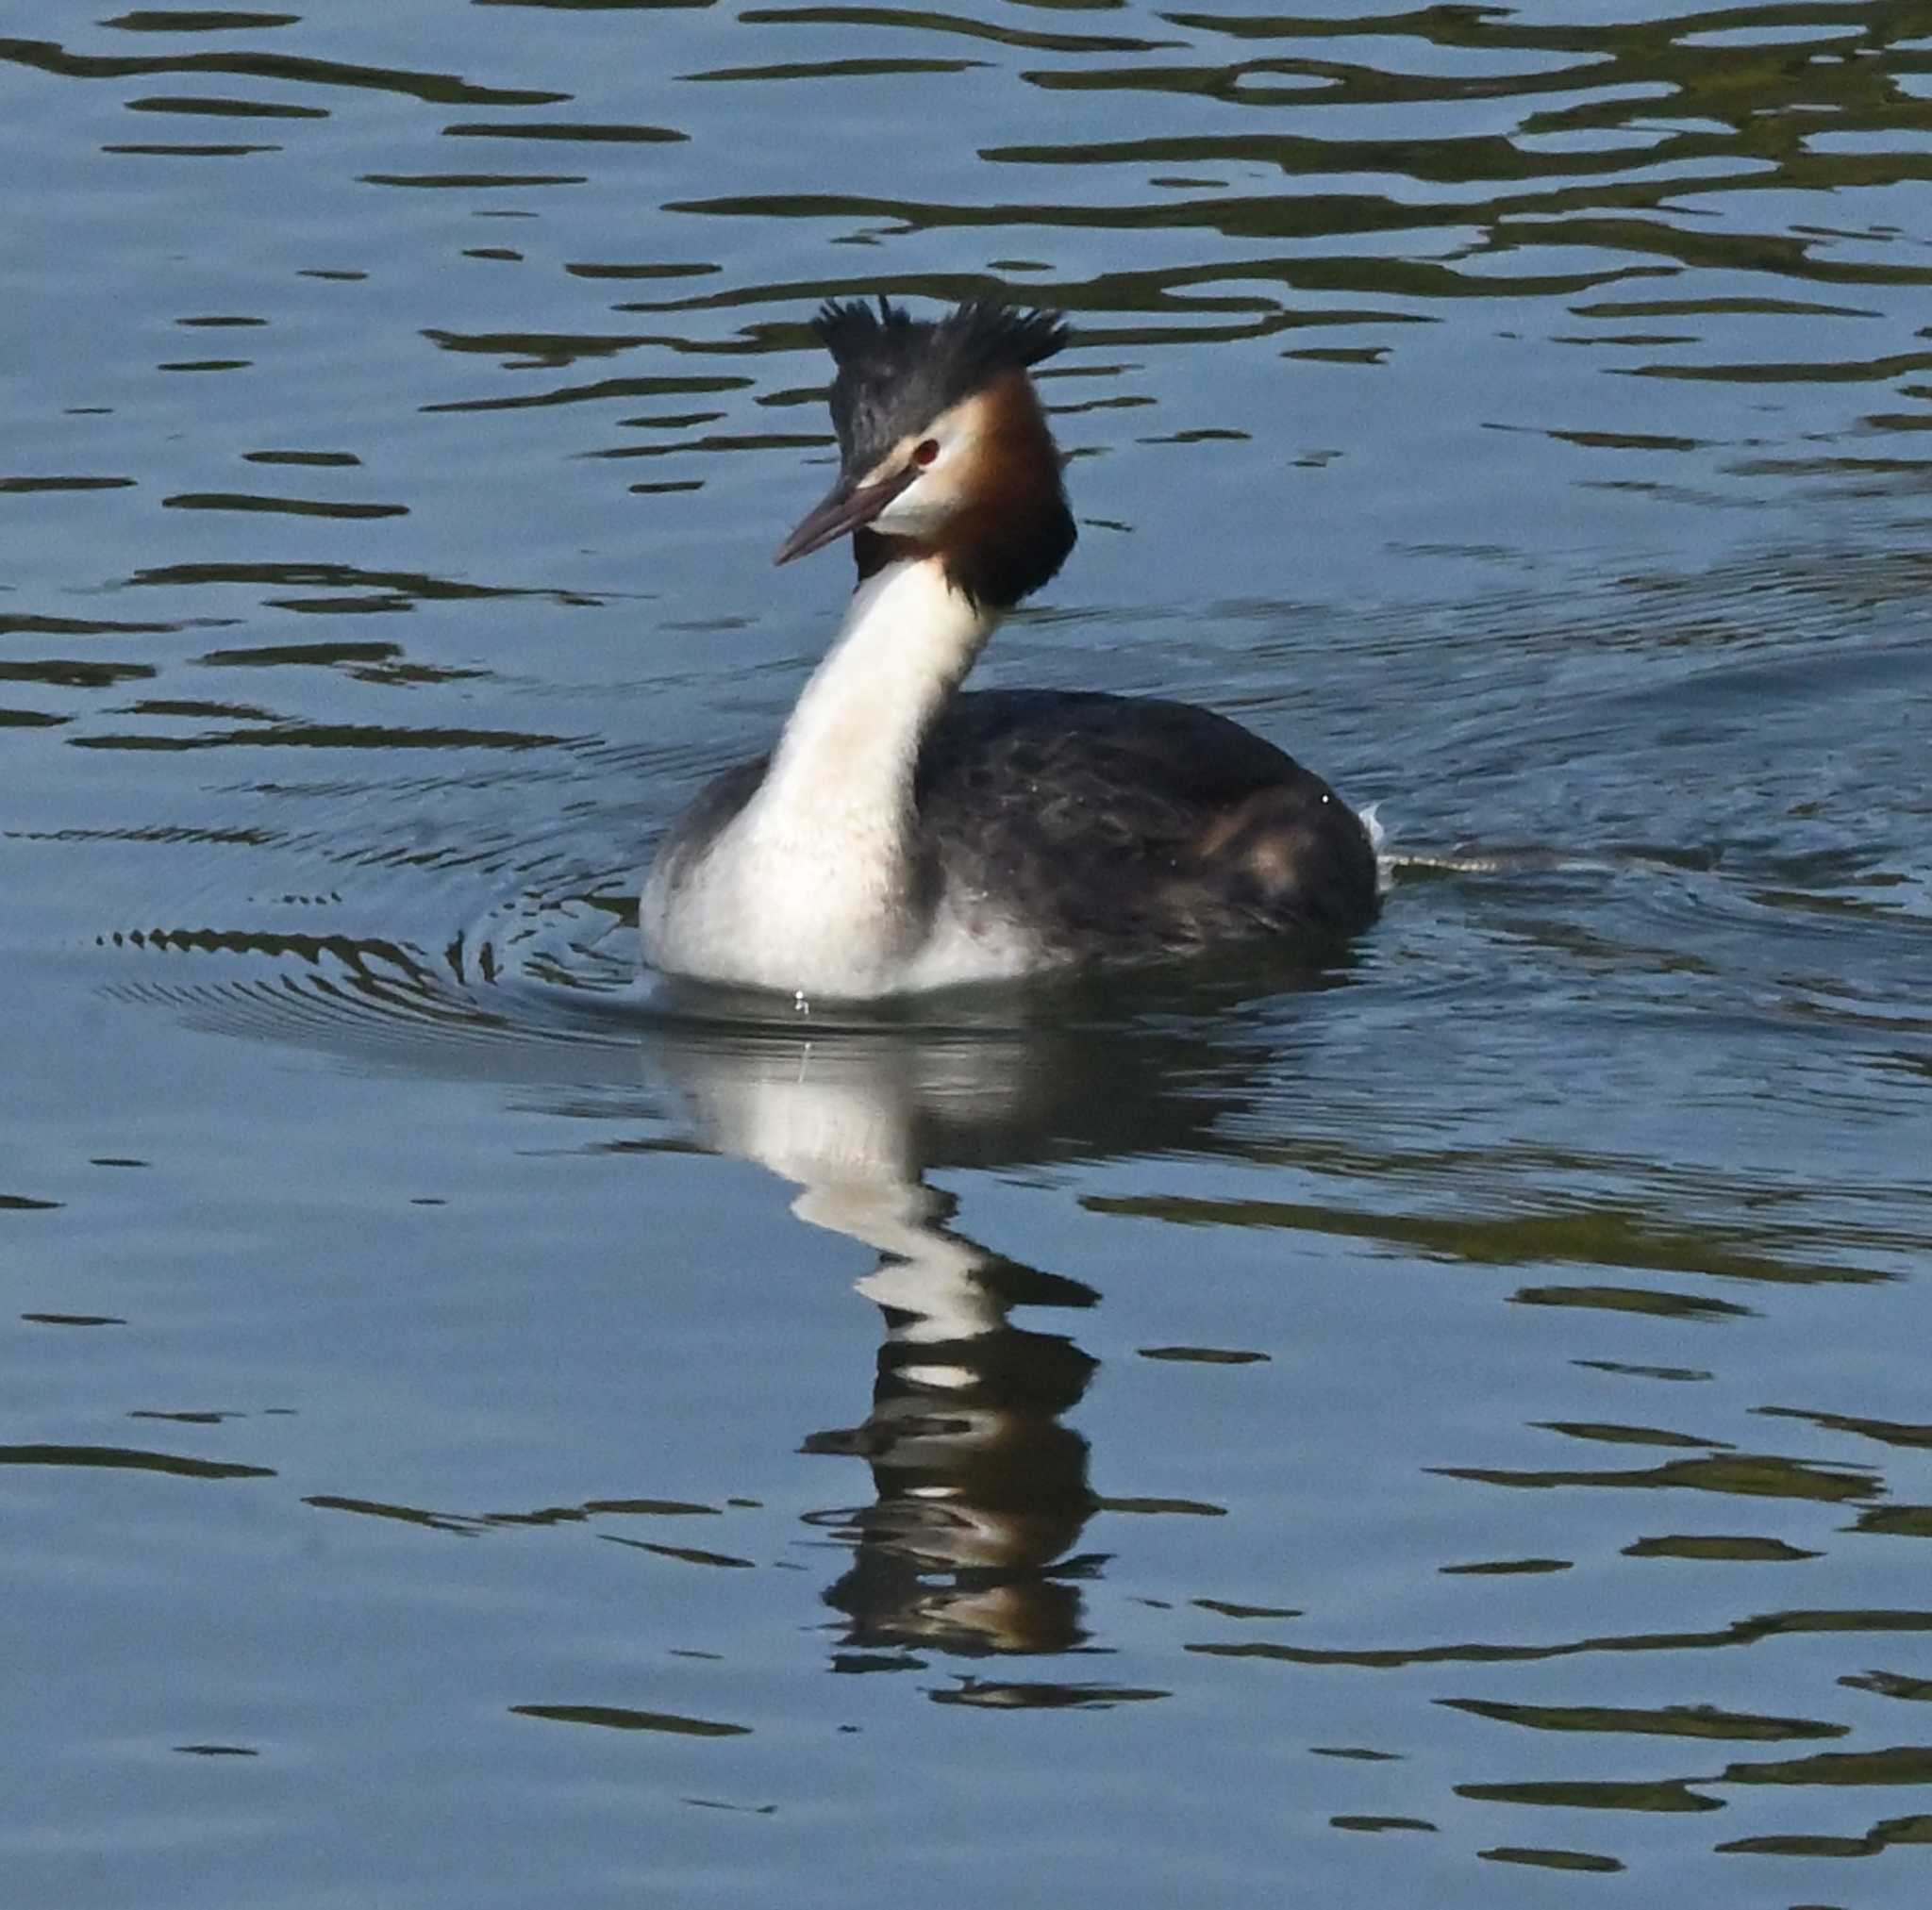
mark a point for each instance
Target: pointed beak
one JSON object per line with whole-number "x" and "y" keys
{"x": 845, "y": 507}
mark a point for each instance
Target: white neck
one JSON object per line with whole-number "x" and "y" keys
{"x": 812, "y": 886}
{"x": 844, "y": 764}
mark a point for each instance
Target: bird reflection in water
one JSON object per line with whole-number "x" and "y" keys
{"x": 981, "y": 1490}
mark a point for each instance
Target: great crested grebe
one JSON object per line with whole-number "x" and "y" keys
{"x": 904, "y": 836}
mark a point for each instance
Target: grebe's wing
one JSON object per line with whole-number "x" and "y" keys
{"x": 1129, "y": 819}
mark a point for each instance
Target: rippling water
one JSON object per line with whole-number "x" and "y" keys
{"x": 1455, "y": 1430}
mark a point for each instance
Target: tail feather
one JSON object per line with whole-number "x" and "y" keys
{"x": 1298, "y": 855}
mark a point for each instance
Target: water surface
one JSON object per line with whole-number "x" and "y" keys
{"x": 477, "y": 1431}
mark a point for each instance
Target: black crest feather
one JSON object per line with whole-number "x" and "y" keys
{"x": 897, "y": 373}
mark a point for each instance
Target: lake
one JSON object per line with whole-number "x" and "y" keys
{"x": 1453, "y": 1426}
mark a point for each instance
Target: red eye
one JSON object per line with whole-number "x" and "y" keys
{"x": 925, "y": 451}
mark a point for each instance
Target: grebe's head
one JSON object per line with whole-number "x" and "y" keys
{"x": 943, "y": 450}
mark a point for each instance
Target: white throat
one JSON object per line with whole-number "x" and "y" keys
{"x": 847, "y": 754}
{"x": 814, "y": 886}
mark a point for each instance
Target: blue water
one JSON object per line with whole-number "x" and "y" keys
{"x": 480, "y": 1430}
